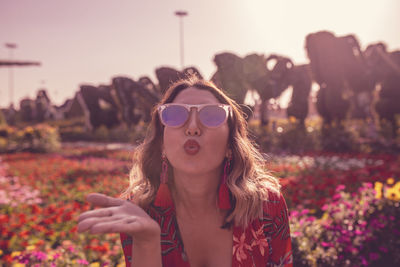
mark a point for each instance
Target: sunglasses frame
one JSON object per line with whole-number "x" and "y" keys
{"x": 199, "y": 107}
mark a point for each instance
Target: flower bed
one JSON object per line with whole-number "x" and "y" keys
{"x": 344, "y": 208}
{"x": 40, "y": 228}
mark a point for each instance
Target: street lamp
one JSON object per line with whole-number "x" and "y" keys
{"x": 11, "y": 46}
{"x": 181, "y": 14}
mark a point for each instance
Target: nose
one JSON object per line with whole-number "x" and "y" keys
{"x": 192, "y": 127}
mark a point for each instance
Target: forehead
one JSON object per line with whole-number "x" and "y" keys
{"x": 193, "y": 95}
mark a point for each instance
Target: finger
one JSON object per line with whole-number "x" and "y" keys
{"x": 103, "y": 200}
{"x": 88, "y": 223}
{"x": 102, "y": 213}
{"x": 123, "y": 225}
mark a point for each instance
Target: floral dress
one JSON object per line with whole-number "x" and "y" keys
{"x": 265, "y": 241}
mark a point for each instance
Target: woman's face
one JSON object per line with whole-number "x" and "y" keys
{"x": 194, "y": 148}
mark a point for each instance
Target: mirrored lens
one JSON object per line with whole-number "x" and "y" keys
{"x": 212, "y": 116}
{"x": 174, "y": 115}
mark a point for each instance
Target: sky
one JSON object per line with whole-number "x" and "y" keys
{"x": 92, "y": 41}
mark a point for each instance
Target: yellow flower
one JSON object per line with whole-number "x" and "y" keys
{"x": 95, "y": 264}
{"x": 1, "y": 252}
{"x": 29, "y": 129}
{"x": 18, "y": 265}
{"x": 390, "y": 181}
{"x": 378, "y": 190}
{"x": 393, "y": 192}
{"x": 29, "y": 248}
{"x": 15, "y": 254}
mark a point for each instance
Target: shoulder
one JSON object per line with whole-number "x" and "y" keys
{"x": 275, "y": 204}
{"x": 275, "y": 218}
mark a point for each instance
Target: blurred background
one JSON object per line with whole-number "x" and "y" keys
{"x": 318, "y": 80}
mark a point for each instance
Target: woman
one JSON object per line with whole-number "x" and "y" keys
{"x": 199, "y": 188}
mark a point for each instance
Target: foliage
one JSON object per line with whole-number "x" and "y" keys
{"x": 288, "y": 136}
{"x": 37, "y": 138}
{"x": 75, "y": 130}
{"x": 3, "y": 121}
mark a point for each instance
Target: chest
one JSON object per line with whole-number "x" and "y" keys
{"x": 206, "y": 244}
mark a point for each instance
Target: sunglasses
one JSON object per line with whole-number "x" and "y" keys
{"x": 210, "y": 115}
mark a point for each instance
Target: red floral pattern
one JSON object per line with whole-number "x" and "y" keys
{"x": 265, "y": 242}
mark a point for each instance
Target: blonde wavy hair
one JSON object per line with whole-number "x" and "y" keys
{"x": 248, "y": 180}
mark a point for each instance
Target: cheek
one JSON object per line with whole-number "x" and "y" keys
{"x": 218, "y": 141}
{"x": 170, "y": 140}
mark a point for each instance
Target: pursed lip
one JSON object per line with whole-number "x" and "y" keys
{"x": 191, "y": 147}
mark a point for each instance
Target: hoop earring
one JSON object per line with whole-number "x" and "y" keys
{"x": 163, "y": 197}
{"x": 224, "y": 201}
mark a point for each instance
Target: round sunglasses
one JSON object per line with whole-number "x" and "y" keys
{"x": 210, "y": 115}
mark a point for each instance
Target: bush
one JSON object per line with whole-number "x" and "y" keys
{"x": 39, "y": 138}
{"x": 75, "y": 130}
{"x": 3, "y": 121}
{"x": 286, "y": 136}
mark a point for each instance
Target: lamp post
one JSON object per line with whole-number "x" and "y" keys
{"x": 181, "y": 14}
{"x": 11, "y": 46}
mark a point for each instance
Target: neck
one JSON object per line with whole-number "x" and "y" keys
{"x": 196, "y": 195}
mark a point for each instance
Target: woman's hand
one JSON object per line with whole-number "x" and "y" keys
{"x": 119, "y": 216}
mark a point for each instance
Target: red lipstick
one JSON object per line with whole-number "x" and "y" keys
{"x": 191, "y": 147}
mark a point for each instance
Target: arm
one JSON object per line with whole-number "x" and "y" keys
{"x": 119, "y": 216}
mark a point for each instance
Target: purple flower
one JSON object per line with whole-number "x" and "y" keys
{"x": 383, "y": 249}
{"x": 24, "y": 259}
{"x": 373, "y": 256}
{"x": 83, "y": 262}
{"x": 364, "y": 261}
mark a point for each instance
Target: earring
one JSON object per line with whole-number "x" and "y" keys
{"x": 223, "y": 193}
{"x": 163, "y": 196}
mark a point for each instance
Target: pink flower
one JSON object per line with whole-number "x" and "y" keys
{"x": 340, "y": 188}
{"x": 304, "y": 212}
{"x": 40, "y": 255}
{"x": 325, "y": 244}
{"x": 296, "y": 234}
